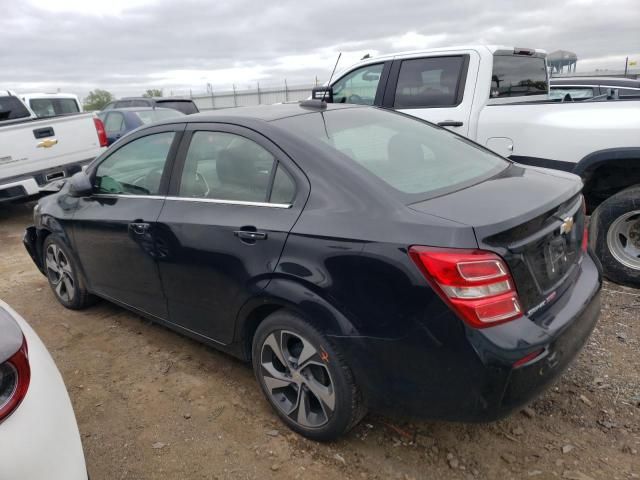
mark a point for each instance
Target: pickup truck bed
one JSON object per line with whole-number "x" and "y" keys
{"x": 34, "y": 152}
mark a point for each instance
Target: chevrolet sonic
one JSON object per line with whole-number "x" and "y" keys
{"x": 359, "y": 258}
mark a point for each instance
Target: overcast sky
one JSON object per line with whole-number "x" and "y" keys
{"x": 127, "y": 46}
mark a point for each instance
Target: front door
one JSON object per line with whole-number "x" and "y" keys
{"x": 233, "y": 199}
{"x": 113, "y": 228}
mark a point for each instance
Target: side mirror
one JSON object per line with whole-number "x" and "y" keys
{"x": 320, "y": 93}
{"x": 80, "y": 185}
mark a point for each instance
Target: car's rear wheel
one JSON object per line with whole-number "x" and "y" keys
{"x": 63, "y": 276}
{"x": 615, "y": 236}
{"x": 304, "y": 378}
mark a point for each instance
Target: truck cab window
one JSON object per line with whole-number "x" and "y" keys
{"x": 429, "y": 82}
{"x": 359, "y": 86}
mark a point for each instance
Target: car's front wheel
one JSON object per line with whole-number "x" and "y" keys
{"x": 615, "y": 236}
{"x": 63, "y": 276}
{"x": 304, "y": 378}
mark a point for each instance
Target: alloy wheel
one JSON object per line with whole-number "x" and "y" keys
{"x": 623, "y": 239}
{"x": 296, "y": 379}
{"x": 60, "y": 273}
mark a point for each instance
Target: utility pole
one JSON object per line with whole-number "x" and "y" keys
{"x": 626, "y": 66}
{"x": 235, "y": 101}
{"x": 259, "y": 99}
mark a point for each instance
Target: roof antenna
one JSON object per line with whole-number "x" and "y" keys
{"x": 331, "y": 77}
{"x": 321, "y": 103}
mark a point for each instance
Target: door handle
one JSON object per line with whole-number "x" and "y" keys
{"x": 450, "y": 123}
{"x": 251, "y": 235}
{"x": 139, "y": 228}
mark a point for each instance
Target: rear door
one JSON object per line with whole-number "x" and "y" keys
{"x": 433, "y": 88}
{"x": 233, "y": 199}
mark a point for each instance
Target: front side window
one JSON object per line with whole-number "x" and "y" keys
{"x": 136, "y": 168}
{"x": 359, "y": 86}
{"x": 415, "y": 159}
{"x": 518, "y": 76}
{"x": 429, "y": 82}
{"x": 226, "y": 166}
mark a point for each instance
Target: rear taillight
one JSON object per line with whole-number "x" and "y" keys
{"x": 585, "y": 232}
{"x": 15, "y": 375}
{"x": 475, "y": 283}
{"x": 102, "y": 133}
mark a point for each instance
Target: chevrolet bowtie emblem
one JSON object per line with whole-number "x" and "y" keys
{"x": 48, "y": 143}
{"x": 567, "y": 226}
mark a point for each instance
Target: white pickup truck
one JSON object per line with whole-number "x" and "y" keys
{"x": 36, "y": 151}
{"x": 498, "y": 97}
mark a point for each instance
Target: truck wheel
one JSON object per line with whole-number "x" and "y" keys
{"x": 615, "y": 236}
{"x": 304, "y": 378}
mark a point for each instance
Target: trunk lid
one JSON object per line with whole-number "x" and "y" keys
{"x": 532, "y": 218}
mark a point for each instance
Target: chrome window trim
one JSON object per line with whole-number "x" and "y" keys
{"x": 127, "y": 195}
{"x": 230, "y": 202}
{"x": 200, "y": 200}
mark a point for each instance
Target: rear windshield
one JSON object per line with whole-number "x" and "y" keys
{"x": 11, "y": 108}
{"x": 415, "y": 158}
{"x": 187, "y": 107}
{"x": 50, "y": 107}
{"x": 517, "y": 76}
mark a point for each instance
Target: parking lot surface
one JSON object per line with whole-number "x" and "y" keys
{"x": 151, "y": 404}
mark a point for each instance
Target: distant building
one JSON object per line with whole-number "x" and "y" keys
{"x": 561, "y": 58}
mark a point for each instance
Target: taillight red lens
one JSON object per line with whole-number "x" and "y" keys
{"x": 585, "y": 233}
{"x": 102, "y": 133}
{"x": 476, "y": 284}
{"x": 15, "y": 375}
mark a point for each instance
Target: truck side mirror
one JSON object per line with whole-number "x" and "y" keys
{"x": 81, "y": 184}
{"x": 318, "y": 93}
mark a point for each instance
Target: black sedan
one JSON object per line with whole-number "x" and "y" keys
{"x": 361, "y": 259}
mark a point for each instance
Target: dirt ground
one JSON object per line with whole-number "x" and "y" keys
{"x": 151, "y": 404}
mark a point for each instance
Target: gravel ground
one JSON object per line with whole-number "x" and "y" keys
{"x": 151, "y": 404}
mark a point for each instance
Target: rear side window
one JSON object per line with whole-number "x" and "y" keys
{"x": 518, "y": 76}
{"x": 50, "y": 107}
{"x": 114, "y": 122}
{"x": 11, "y": 108}
{"x": 225, "y": 166}
{"x": 429, "y": 82}
{"x": 185, "y": 107}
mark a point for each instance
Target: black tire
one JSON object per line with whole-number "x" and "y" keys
{"x": 325, "y": 372}
{"x": 613, "y": 216}
{"x": 64, "y": 279}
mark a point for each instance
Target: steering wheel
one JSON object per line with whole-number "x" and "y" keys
{"x": 150, "y": 179}
{"x": 357, "y": 99}
{"x": 567, "y": 98}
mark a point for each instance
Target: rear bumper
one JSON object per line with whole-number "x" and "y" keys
{"x": 22, "y": 186}
{"x": 461, "y": 374}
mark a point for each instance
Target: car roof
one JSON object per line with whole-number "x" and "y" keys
{"x": 265, "y": 113}
{"x": 158, "y": 99}
{"x": 139, "y": 109}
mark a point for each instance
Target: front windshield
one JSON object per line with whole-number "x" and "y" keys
{"x": 413, "y": 157}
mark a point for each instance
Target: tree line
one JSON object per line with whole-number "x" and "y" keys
{"x": 98, "y": 98}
